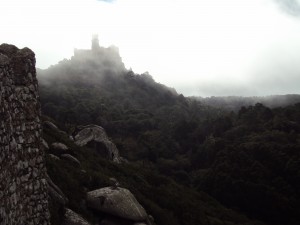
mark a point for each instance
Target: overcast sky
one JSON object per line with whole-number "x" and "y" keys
{"x": 199, "y": 47}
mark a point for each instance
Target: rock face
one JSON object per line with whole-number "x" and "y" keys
{"x": 119, "y": 202}
{"x": 52, "y": 126}
{"x": 59, "y": 146}
{"x": 23, "y": 187}
{"x": 72, "y": 218}
{"x": 71, "y": 159}
{"x": 55, "y": 193}
{"x": 93, "y": 135}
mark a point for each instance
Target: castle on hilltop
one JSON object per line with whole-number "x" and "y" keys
{"x": 102, "y": 57}
{"x": 95, "y": 48}
{"x": 95, "y": 43}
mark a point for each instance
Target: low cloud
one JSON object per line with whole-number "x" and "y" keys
{"x": 291, "y": 7}
{"x": 207, "y": 47}
{"x": 108, "y": 1}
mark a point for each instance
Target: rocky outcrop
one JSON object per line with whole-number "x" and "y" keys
{"x": 113, "y": 221}
{"x": 72, "y": 218}
{"x": 119, "y": 202}
{"x": 59, "y": 146}
{"x": 55, "y": 193}
{"x": 94, "y": 136}
{"x": 23, "y": 187}
{"x": 53, "y": 157}
{"x": 52, "y": 126}
{"x": 45, "y": 145}
{"x": 71, "y": 159}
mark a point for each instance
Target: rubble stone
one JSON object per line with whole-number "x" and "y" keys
{"x": 23, "y": 194}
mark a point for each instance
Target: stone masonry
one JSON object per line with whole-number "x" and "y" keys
{"x": 23, "y": 187}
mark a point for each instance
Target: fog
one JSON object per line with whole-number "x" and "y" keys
{"x": 91, "y": 66}
{"x": 201, "y": 48}
{"x": 291, "y": 7}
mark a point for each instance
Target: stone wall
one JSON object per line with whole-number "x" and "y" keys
{"x": 23, "y": 187}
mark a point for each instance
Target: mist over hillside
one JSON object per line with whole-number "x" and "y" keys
{"x": 123, "y": 146}
{"x": 236, "y": 102}
{"x": 88, "y": 65}
{"x": 189, "y": 160}
{"x": 86, "y": 82}
{"x": 104, "y": 67}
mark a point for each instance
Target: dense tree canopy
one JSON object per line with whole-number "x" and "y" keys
{"x": 248, "y": 160}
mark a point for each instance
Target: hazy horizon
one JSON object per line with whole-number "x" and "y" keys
{"x": 201, "y": 48}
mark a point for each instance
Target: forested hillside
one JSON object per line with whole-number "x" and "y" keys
{"x": 189, "y": 163}
{"x": 236, "y": 102}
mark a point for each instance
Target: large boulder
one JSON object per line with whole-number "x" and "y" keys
{"x": 72, "y": 218}
{"x": 71, "y": 159}
{"x": 55, "y": 193}
{"x": 44, "y": 144}
{"x": 112, "y": 221}
{"x": 60, "y": 147}
{"x": 94, "y": 136}
{"x": 54, "y": 157}
{"x": 52, "y": 126}
{"x": 118, "y": 202}
{"x": 117, "y": 221}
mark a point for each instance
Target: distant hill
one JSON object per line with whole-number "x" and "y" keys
{"x": 93, "y": 81}
{"x": 244, "y": 152}
{"x": 236, "y": 102}
{"x": 93, "y": 87}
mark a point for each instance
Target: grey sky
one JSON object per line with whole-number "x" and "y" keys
{"x": 291, "y": 7}
{"x": 109, "y": 1}
{"x": 199, "y": 47}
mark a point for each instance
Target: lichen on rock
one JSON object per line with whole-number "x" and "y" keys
{"x": 96, "y": 134}
{"x": 119, "y": 202}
